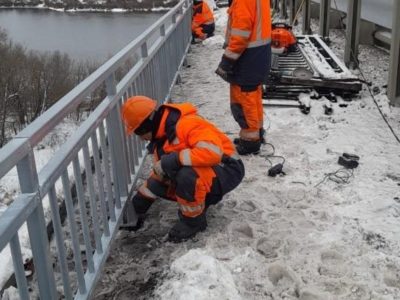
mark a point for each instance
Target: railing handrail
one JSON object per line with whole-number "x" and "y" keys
{"x": 34, "y": 133}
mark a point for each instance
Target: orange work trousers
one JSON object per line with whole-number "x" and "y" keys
{"x": 247, "y": 110}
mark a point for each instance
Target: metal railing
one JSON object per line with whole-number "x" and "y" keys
{"x": 98, "y": 162}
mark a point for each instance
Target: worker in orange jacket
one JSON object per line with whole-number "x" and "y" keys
{"x": 194, "y": 163}
{"x": 202, "y": 21}
{"x": 245, "y": 65}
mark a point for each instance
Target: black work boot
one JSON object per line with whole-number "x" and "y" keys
{"x": 248, "y": 147}
{"x": 262, "y": 137}
{"x": 141, "y": 203}
{"x": 187, "y": 228}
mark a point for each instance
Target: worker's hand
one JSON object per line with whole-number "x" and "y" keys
{"x": 157, "y": 168}
{"x": 170, "y": 164}
{"x": 225, "y": 68}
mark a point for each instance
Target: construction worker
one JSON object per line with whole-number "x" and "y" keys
{"x": 202, "y": 21}
{"x": 245, "y": 65}
{"x": 194, "y": 163}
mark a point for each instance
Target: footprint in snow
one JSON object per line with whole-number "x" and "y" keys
{"x": 283, "y": 279}
{"x": 391, "y": 276}
{"x": 332, "y": 264}
{"x": 247, "y": 206}
{"x": 242, "y": 230}
{"x": 268, "y": 247}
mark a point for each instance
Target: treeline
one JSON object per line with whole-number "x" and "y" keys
{"x": 138, "y": 5}
{"x": 31, "y": 82}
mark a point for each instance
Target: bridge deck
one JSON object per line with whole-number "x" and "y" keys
{"x": 300, "y": 234}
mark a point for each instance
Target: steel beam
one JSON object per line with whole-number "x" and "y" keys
{"x": 394, "y": 71}
{"x": 324, "y": 12}
{"x": 292, "y": 11}
{"x": 283, "y": 9}
{"x": 306, "y": 28}
{"x": 352, "y": 33}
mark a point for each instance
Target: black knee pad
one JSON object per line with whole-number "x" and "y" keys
{"x": 186, "y": 183}
{"x": 157, "y": 187}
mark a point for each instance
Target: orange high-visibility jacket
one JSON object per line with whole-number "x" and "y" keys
{"x": 197, "y": 141}
{"x": 202, "y": 14}
{"x": 248, "y": 38}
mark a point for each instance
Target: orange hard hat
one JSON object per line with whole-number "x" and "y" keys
{"x": 136, "y": 110}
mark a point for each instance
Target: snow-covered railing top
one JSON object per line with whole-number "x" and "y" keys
{"x": 95, "y": 169}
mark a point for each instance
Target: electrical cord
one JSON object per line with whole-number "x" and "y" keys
{"x": 272, "y": 155}
{"x": 277, "y": 168}
{"x": 365, "y": 80}
{"x": 341, "y": 176}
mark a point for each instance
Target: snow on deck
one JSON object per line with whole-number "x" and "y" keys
{"x": 298, "y": 236}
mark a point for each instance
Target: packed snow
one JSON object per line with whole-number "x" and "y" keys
{"x": 306, "y": 235}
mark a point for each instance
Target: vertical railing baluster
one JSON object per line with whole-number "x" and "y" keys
{"x": 100, "y": 185}
{"x": 83, "y": 214}
{"x": 28, "y": 180}
{"x": 125, "y": 145}
{"x": 118, "y": 151}
{"x": 106, "y": 164}
{"x": 74, "y": 232}
{"x": 55, "y": 215}
{"x": 130, "y": 154}
{"x": 92, "y": 199}
{"x": 19, "y": 269}
{"x": 113, "y": 164}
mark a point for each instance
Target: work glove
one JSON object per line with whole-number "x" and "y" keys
{"x": 225, "y": 68}
{"x": 170, "y": 164}
{"x": 157, "y": 168}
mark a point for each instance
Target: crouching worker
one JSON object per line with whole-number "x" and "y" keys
{"x": 194, "y": 163}
{"x": 202, "y": 22}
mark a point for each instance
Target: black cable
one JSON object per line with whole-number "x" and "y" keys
{"x": 272, "y": 155}
{"x": 341, "y": 176}
{"x": 365, "y": 80}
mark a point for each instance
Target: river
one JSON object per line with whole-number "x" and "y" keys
{"x": 82, "y": 35}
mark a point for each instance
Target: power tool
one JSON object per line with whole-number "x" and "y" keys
{"x": 283, "y": 39}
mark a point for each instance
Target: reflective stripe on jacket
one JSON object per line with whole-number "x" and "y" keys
{"x": 197, "y": 141}
{"x": 248, "y": 39}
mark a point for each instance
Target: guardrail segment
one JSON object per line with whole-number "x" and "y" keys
{"x": 92, "y": 174}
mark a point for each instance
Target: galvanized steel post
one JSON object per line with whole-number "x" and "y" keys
{"x": 28, "y": 179}
{"x": 283, "y": 9}
{"x": 324, "y": 12}
{"x": 292, "y": 11}
{"x": 394, "y": 71}
{"x": 306, "y": 28}
{"x": 352, "y": 33}
{"x": 115, "y": 132}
